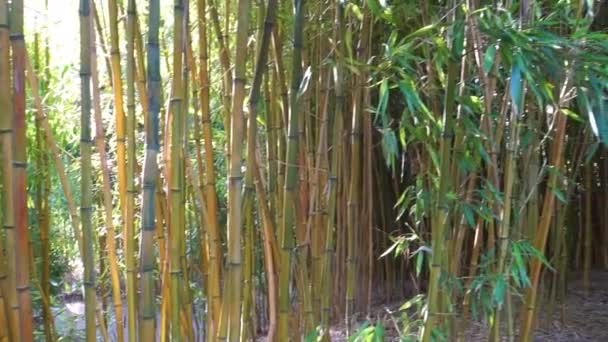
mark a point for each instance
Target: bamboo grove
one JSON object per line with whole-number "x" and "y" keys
{"x": 276, "y": 169}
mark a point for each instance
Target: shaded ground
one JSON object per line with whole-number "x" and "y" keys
{"x": 586, "y": 317}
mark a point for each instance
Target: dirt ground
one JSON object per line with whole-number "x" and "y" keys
{"x": 586, "y": 317}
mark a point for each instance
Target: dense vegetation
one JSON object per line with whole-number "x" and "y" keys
{"x": 238, "y": 169}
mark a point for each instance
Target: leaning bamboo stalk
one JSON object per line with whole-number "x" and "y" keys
{"x": 227, "y": 77}
{"x": 86, "y": 207}
{"x": 45, "y": 220}
{"x": 254, "y": 97}
{"x": 270, "y": 251}
{"x": 19, "y": 182}
{"x": 6, "y": 138}
{"x": 107, "y": 191}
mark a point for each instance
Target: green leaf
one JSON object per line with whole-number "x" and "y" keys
{"x": 421, "y": 32}
{"x": 571, "y": 114}
{"x": 458, "y": 41}
{"x": 419, "y": 261}
{"x": 379, "y": 333}
{"x": 489, "y": 58}
{"x": 591, "y": 151}
{"x": 414, "y": 301}
{"x": 516, "y": 87}
{"x": 469, "y": 215}
{"x": 313, "y": 336}
{"x": 561, "y": 196}
{"x": 499, "y": 290}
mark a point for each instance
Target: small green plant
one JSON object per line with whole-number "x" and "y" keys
{"x": 369, "y": 333}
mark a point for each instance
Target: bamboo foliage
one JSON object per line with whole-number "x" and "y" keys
{"x": 452, "y": 136}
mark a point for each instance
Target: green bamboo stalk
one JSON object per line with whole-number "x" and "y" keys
{"x": 230, "y": 322}
{"x": 336, "y": 119}
{"x": 129, "y": 228}
{"x": 44, "y": 214}
{"x": 437, "y": 298}
{"x": 287, "y": 224}
{"x": 226, "y": 71}
{"x": 355, "y": 181}
{"x": 175, "y": 173}
{"x": 86, "y": 207}
{"x": 147, "y": 328}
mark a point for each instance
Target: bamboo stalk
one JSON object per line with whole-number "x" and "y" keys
{"x": 107, "y": 191}
{"x": 287, "y": 223}
{"x": 129, "y": 227}
{"x": 147, "y": 329}
{"x": 86, "y": 207}
{"x": 8, "y": 213}
{"x": 19, "y": 182}
{"x": 355, "y": 185}
{"x": 118, "y": 107}
{"x": 213, "y": 240}
{"x": 176, "y": 183}
{"x": 230, "y": 321}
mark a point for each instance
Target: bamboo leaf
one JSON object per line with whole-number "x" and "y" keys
{"x": 561, "y": 196}
{"x": 489, "y": 58}
{"x": 516, "y": 87}
{"x": 469, "y": 215}
{"x": 421, "y": 32}
{"x": 305, "y": 81}
{"x": 498, "y": 294}
{"x": 458, "y": 41}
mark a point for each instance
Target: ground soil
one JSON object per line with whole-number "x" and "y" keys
{"x": 585, "y": 317}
